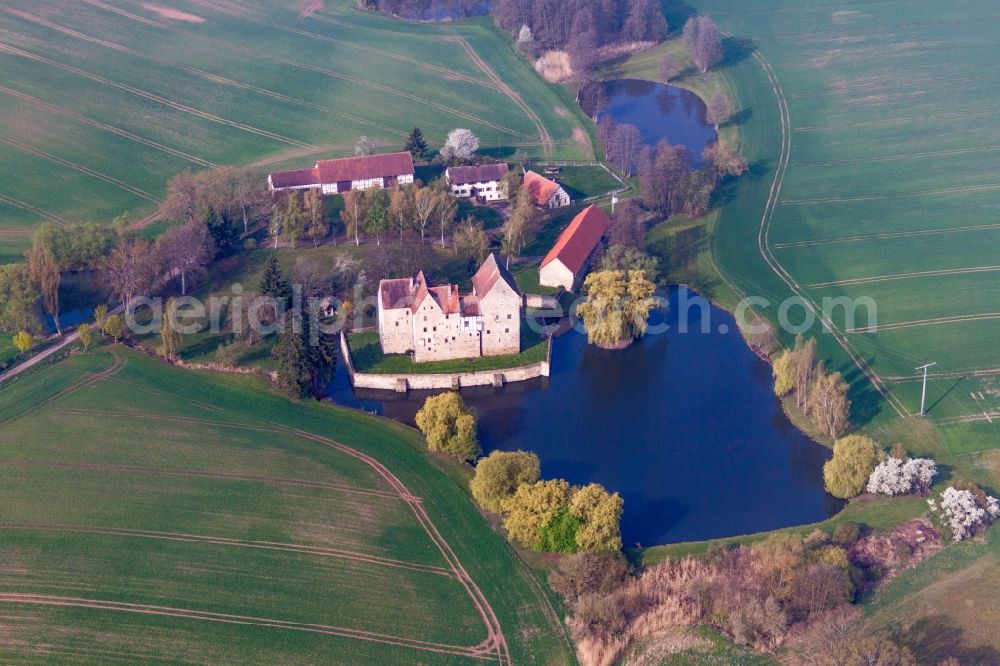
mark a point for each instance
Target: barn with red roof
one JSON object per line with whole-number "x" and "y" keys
{"x": 566, "y": 263}
{"x": 349, "y": 173}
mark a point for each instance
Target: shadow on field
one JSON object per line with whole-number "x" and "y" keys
{"x": 935, "y": 638}
{"x": 944, "y": 395}
{"x": 866, "y": 402}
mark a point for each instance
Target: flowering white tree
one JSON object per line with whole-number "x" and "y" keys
{"x": 893, "y": 476}
{"x": 525, "y": 36}
{"x": 461, "y": 144}
{"x": 964, "y": 514}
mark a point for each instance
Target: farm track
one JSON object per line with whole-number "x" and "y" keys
{"x": 957, "y": 319}
{"x": 236, "y": 543}
{"x": 23, "y": 147}
{"x": 765, "y": 249}
{"x": 885, "y": 236}
{"x": 945, "y": 191}
{"x": 493, "y": 648}
{"x": 13, "y": 50}
{"x": 52, "y": 108}
{"x": 225, "y": 618}
{"x": 901, "y": 158}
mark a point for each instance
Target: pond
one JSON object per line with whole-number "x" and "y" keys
{"x": 660, "y": 112}
{"x": 684, "y": 425}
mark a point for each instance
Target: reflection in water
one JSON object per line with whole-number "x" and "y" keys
{"x": 684, "y": 426}
{"x": 660, "y": 112}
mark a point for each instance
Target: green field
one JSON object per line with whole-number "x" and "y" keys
{"x": 102, "y": 104}
{"x": 146, "y": 507}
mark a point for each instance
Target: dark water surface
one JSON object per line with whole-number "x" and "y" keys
{"x": 683, "y": 425}
{"x": 660, "y": 112}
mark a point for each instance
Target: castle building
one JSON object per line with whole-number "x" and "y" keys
{"x": 436, "y": 323}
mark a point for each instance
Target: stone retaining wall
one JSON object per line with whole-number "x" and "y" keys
{"x": 421, "y": 382}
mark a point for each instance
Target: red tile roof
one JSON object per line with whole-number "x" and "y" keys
{"x": 329, "y": 172}
{"x": 577, "y": 241}
{"x": 541, "y": 188}
{"x": 488, "y": 274}
{"x": 483, "y": 173}
{"x": 386, "y": 165}
{"x": 411, "y": 292}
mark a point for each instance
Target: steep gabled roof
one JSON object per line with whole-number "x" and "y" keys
{"x": 397, "y": 293}
{"x": 362, "y": 168}
{"x": 296, "y": 178}
{"x": 541, "y": 188}
{"x": 577, "y": 241}
{"x": 482, "y": 173}
{"x": 487, "y": 276}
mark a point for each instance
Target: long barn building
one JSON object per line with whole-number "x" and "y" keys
{"x": 350, "y": 173}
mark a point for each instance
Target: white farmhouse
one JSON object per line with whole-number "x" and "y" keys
{"x": 481, "y": 182}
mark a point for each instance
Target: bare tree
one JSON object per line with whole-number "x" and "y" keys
{"x": 625, "y": 144}
{"x": 718, "y": 111}
{"x": 445, "y": 211}
{"x": 132, "y": 269}
{"x": 366, "y": 146}
{"x": 424, "y": 203}
{"x": 186, "y": 250}
{"x": 471, "y": 240}
{"x": 703, "y": 41}
{"x": 353, "y": 214}
{"x": 316, "y": 226}
{"x": 669, "y": 68}
{"x": 185, "y": 194}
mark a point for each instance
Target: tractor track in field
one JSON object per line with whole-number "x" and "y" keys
{"x": 956, "y": 319}
{"x": 226, "y": 618}
{"x": 765, "y": 250}
{"x": 208, "y": 76}
{"x": 52, "y": 108}
{"x": 301, "y": 549}
{"x": 13, "y": 50}
{"x": 886, "y": 236}
{"x": 493, "y": 648}
{"x": 48, "y": 157}
{"x": 905, "y": 276}
{"x": 51, "y": 217}
{"x": 72, "y": 388}
{"x": 945, "y": 191}
{"x": 166, "y": 471}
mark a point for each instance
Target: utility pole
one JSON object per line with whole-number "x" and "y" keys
{"x": 923, "y": 394}
{"x": 614, "y": 200}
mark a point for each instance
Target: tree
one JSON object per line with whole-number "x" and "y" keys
{"x": 132, "y": 269}
{"x": 532, "y": 507}
{"x": 186, "y": 250}
{"x": 85, "y": 334}
{"x": 101, "y": 315}
{"x": 294, "y": 377}
{"x": 669, "y": 68}
{"x": 828, "y": 403}
{"x": 645, "y": 22}
{"x": 416, "y": 145}
{"x": 600, "y": 515}
{"x": 401, "y": 209}
{"x": 377, "y": 216}
{"x": 896, "y": 476}
{"x": 703, "y": 41}
{"x": 664, "y": 175}
{"x": 617, "y": 306}
{"x": 471, "y": 240}
{"x": 879, "y": 650}
{"x": 627, "y": 226}
{"x": 449, "y": 426}
{"x": 500, "y": 474}
{"x": 274, "y": 284}
{"x": 461, "y": 145}
{"x": 445, "y": 211}
{"x": 18, "y": 300}
{"x": 784, "y": 373}
{"x": 221, "y": 228}
{"x": 46, "y": 276}
{"x": 802, "y": 367}
{"x": 725, "y": 160}
{"x": 718, "y": 111}
{"x": 510, "y": 185}
{"x": 366, "y": 146}
{"x": 424, "y": 203}
{"x": 295, "y": 219}
{"x": 169, "y": 336}
{"x": 625, "y": 144}
{"x": 276, "y": 226}
{"x": 559, "y": 534}
{"x": 23, "y": 341}
{"x": 354, "y": 213}
{"x": 965, "y": 511}
{"x": 621, "y": 258}
{"x": 316, "y": 227}
{"x": 854, "y": 458}
{"x": 185, "y": 194}
{"x": 321, "y": 350}
{"x": 114, "y": 327}
{"x": 518, "y": 226}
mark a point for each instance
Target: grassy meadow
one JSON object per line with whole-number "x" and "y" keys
{"x": 145, "y": 506}
{"x": 103, "y": 103}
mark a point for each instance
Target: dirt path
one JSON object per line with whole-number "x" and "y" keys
{"x": 86, "y": 381}
{"x": 51, "y": 217}
{"x": 905, "y": 276}
{"x": 768, "y": 256}
{"x": 886, "y": 236}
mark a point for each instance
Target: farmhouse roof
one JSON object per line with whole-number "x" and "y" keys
{"x": 362, "y": 168}
{"x": 577, "y": 241}
{"x": 487, "y": 276}
{"x": 541, "y": 188}
{"x": 397, "y": 293}
{"x": 296, "y": 178}
{"x": 482, "y": 173}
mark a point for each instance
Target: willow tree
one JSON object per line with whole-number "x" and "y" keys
{"x": 616, "y": 310}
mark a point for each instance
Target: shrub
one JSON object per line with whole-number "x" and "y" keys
{"x": 532, "y": 507}
{"x": 449, "y": 426}
{"x": 500, "y": 474}
{"x": 559, "y": 535}
{"x": 965, "y": 511}
{"x": 897, "y": 476}
{"x": 846, "y": 534}
{"x": 600, "y": 513}
{"x": 588, "y": 573}
{"x": 854, "y": 459}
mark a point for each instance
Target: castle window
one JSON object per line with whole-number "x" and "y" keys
{"x": 435, "y": 329}
{"x": 506, "y": 330}
{"x": 508, "y": 315}
{"x": 425, "y": 329}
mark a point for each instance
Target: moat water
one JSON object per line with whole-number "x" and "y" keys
{"x": 684, "y": 425}
{"x": 660, "y": 112}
